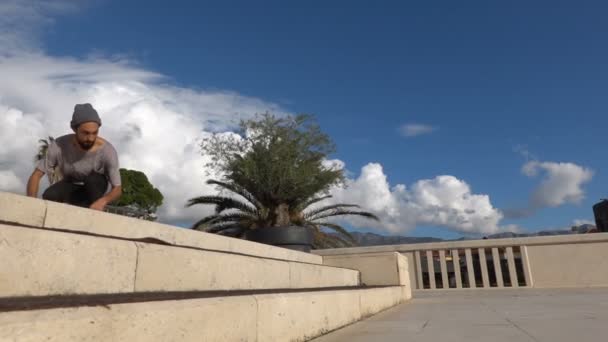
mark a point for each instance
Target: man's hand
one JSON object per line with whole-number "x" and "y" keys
{"x": 113, "y": 195}
{"x": 100, "y": 204}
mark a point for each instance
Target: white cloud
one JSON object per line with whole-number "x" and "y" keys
{"x": 334, "y": 164}
{"x": 413, "y": 130}
{"x": 21, "y": 21}
{"x": 442, "y": 201}
{"x": 579, "y": 222}
{"x": 156, "y": 128}
{"x": 561, "y": 183}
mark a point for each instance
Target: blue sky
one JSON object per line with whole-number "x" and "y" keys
{"x": 499, "y": 83}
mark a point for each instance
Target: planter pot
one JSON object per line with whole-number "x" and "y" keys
{"x": 292, "y": 237}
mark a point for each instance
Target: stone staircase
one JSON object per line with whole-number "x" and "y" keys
{"x": 73, "y": 274}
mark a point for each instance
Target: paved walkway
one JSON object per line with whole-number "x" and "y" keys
{"x": 576, "y": 315}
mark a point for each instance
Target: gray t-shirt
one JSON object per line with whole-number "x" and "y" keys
{"x": 75, "y": 164}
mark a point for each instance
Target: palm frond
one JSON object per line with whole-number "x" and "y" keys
{"x": 339, "y": 212}
{"x": 222, "y": 203}
{"x": 205, "y": 221}
{"x": 340, "y": 230}
{"x": 213, "y": 220}
{"x": 238, "y": 190}
{"x": 307, "y": 203}
{"x": 318, "y": 211}
{"x": 233, "y": 230}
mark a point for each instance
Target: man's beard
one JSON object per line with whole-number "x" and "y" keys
{"x": 86, "y": 145}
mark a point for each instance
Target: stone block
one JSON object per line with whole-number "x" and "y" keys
{"x": 377, "y": 269}
{"x": 167, "y": 268}
{"x": 23, "y": 210}
{"x": 315, "y": 276}
{"x": 378, "y": 299}
{"x": 212, "y": 319}
{"x": 66, "y": 217}
{"x": 37, "y": 263}
{"x": 301, "y": 316}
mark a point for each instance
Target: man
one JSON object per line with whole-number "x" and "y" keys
{"x": 86, "y": 161}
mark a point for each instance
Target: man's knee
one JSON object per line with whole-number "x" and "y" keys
{"x": 55, "y": 193}
{"x": 96, "y": 185}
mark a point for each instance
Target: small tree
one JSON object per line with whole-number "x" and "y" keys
{"x": 276, "y": 166}
{"x": 138, "y": 192}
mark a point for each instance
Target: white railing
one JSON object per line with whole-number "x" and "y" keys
{"x": 456, "y": 268}
{"x": 577, "y": 260}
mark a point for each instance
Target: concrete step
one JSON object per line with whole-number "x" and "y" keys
{"x": 40, "y": 262}
{"x": 296, "y": 316}
{"x": 32, "y": 212}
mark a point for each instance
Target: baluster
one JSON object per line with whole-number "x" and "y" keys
{"x": 430, "y": 268}
{"x": 512, "y": 269}
{"x": 420, "y": 284}
{"x": 484, "y": 267}
{"x": 456, "y": 262}
{"x": 523, "y": 251}
{"x": 497, "y": 267}
{"x": 444, "y": 270}
{"x": 470, "y": 269}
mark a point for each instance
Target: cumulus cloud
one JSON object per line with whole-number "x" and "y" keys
{"x": 157, "y": 128}
{"x": 561, "y": 183}
{"x": 413, "y": 130}
{"x": 441, "y": 201}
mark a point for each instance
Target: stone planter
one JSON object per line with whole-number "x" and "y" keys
{"x": 292, "y": 237}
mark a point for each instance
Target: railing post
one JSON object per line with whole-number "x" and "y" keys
{"x": 430, "y": 269}
{"x": 512, "y": 269}
{"x": 456, "y": 262}
{"x": 444, "y": 270}
{"x": 470, "y": 269}
{"x": 420, "y": 284}
{"x": 484, "y": 267}
{"x": 523, "y": 251}
{"x": 497, "y": 267}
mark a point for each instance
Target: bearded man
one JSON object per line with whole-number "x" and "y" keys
{"x": 87, "y": 162}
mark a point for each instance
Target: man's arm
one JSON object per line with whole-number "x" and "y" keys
{"x": 34, "y": 183}
{"x": 110, "y": 197}
{"x": 113, "y": 174}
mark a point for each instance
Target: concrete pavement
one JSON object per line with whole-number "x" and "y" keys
{"x": 578, "y": 315}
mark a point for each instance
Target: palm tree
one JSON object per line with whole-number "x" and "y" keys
{"x": 54, "y": 175}
{"x": 43, "y": 148}
{"x": 234, "y": 216}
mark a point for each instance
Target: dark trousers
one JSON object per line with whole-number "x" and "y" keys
{"x": 83, "y": 195}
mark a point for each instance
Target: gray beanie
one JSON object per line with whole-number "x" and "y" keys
{"x": 84, "y": 113}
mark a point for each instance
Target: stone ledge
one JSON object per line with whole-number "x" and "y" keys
{"x": 36, "y": 263}
{"x": 34, "y": 212}
{"x": 271, "y": 317}
{"x": 165, "y": 268}
{"x": 22, "y": 210}
{"x": 46, "y": 263}
{"x": 379, "y": 269}
{"x": 313, "y": 276}
{"x": 211, "y": 319}
{"x": 193, "y": 270}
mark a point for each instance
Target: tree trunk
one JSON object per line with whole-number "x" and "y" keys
{"x": 282, "y": 215}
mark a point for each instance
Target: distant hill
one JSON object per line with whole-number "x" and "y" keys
{"x": 372, "y": 239}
